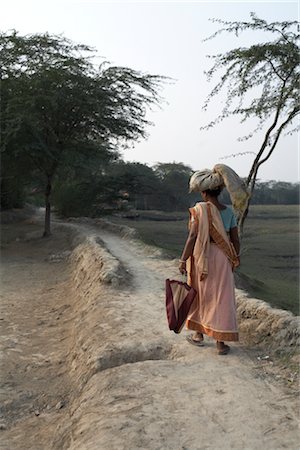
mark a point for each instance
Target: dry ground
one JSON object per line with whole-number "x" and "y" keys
{"x": 91, "y": 365}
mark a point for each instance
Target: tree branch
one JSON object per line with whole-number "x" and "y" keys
{"x": 267, "y": 135}
{"x": 291, "y": 116}
{"x": 274, "y": 69}
{"x": 280, "y": 129}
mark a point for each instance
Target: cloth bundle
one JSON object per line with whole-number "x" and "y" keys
{"x": 221, "y": 176}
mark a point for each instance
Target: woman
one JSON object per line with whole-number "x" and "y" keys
{"x": 210, "y": 254}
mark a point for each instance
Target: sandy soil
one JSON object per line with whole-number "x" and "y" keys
{"x": 89, "y": 363}
{"x": 34, "y": 335}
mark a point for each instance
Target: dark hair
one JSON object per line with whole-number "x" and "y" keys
{"x": 213, "y": 192}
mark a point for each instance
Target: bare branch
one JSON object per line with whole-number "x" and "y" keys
{"x": 267, "y": 135}
{"x": 291, "y": 116}
{"x": 234, "y": 155}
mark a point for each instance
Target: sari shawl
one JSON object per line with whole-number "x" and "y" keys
{"x": 209, "y": 269}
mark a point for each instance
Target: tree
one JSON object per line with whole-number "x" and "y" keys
{"x": 59, "y": 107}
{"x": 175, "y": 181}
{"x": 137, "y": 181}
{"x": 261, "y": 81}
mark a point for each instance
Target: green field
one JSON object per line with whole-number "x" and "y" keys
{"x": 270, "y": 249}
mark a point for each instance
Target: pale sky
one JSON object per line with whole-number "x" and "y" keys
{"x": 166, "y": 38}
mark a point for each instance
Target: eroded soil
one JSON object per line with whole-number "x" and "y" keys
{"x": 95, "y": 367}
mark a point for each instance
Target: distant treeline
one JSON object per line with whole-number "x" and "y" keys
{"x": 272, "y": 193}
{"x": 98, "y": 188}
{"x": 64, "y": 123}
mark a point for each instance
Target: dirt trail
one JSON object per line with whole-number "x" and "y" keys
{"x": 34, "y": 340}
{"x": 89, "y": 365}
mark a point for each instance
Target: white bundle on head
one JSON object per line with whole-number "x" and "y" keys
{"x": 205, "y": 179}
{"x": 221, "y": 176}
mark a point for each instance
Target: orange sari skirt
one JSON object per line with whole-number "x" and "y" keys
{"x": 213, "y": 311}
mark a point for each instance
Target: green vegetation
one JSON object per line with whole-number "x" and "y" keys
{"x": 269, "y": 269}
{"x": 64, "y": 119}
{"x": 164, "y": 187}
{"x": 62, "y": 112}
{"x": 260, "y": 81}
{"x": 271, "y": 255}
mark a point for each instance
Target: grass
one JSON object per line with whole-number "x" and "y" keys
{"x": 270, "y": 255}
{"x": 270, "y": 249}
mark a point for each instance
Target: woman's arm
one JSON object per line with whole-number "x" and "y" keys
{"x": 188, "y": 248}
{"x": 234, "y": 237}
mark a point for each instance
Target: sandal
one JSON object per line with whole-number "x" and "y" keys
{"x": 224, "y": 350}
{"x": 197, "y": 343}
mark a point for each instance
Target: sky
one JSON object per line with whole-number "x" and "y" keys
{"x": 167, "y": 38}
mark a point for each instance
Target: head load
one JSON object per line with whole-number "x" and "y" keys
{"x": 219, "y": 177}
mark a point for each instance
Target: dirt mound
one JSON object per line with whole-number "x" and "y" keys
{"x": 260, "y": 324}
{"x": 275, "y": 330}
{"x": 271, "y": 331}
{"x": 92, "y": 264}
{"x": 133, "y": 384}
{"x": 104, "y": 331}
{"x": 115, "y": 362}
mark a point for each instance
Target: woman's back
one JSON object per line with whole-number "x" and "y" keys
{"x": 228, "y": 218}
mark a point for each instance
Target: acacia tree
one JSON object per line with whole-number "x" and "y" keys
{"x": 260, "y": 81}
{"x": 174, "y": 178}
{"x": 58, "y": 105}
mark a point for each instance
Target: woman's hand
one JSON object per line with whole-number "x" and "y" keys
{"x": 236, "y": 264}
{"x": 182, "y": 267}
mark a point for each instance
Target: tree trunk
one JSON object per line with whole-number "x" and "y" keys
{"x": 260, "y": 159}
{"x": 145, "y": 202}
{"x": 242, "y": 219}
{"x": 47, "y": 230}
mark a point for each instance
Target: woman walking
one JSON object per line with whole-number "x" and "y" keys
{"x": 210, "y": 255}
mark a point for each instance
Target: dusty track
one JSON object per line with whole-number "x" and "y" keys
{"x": 89, "y": 363}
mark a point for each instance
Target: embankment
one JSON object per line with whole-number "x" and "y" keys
{"x": 91, "y": 364}
{"x": 108, "y": 332}
{"x": 119, "y": 351}
{"x": 274, "y": 330}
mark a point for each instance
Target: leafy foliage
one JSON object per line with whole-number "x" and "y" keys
{"x": 58, "y": 108}
{"x": 273, "y": 67}
{"x": 260, "y": 81}
{"x": 175, "y": 180}
{"x": 122, "y": 186}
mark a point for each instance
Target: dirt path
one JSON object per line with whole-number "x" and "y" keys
{"x": 141, "y": 387}
{"x": 34, "y": 336}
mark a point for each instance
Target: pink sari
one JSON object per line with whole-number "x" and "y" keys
{"x": 213, "y": 311}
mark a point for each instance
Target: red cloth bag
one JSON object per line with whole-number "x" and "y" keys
{"x": 179, "y": 299}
